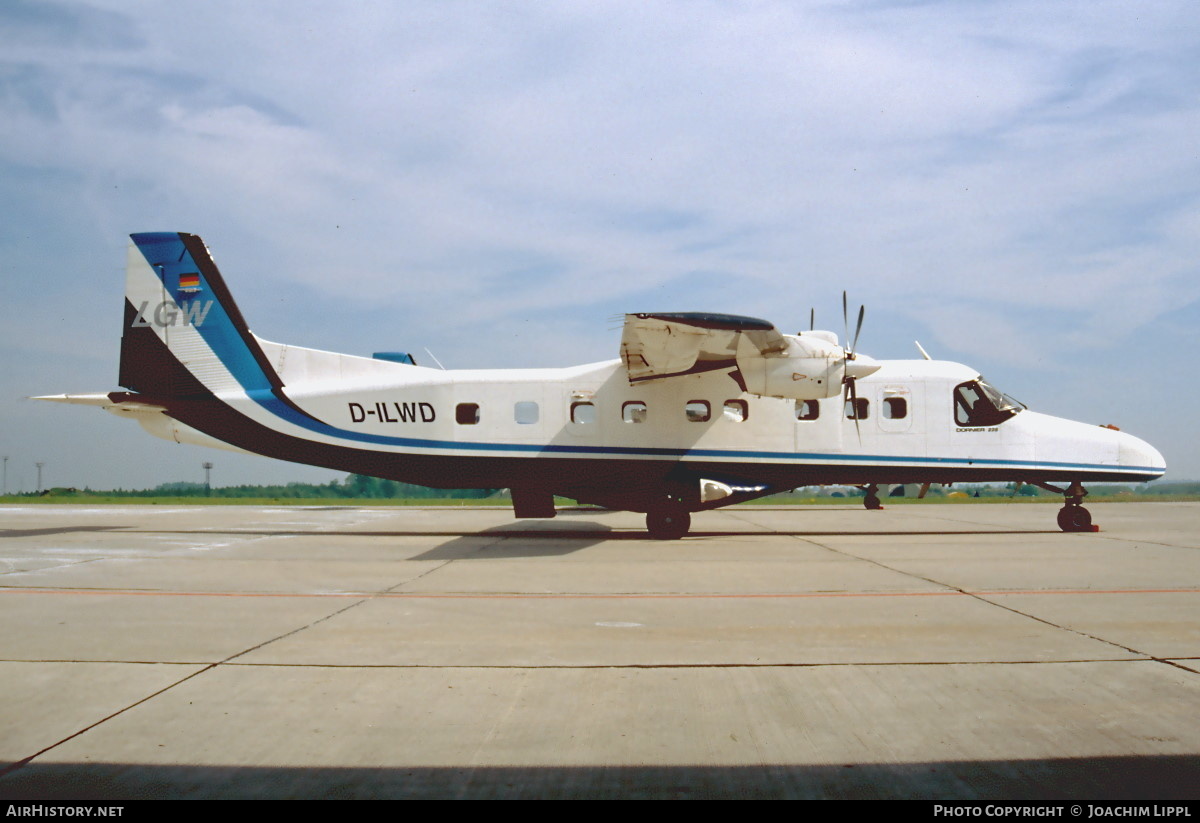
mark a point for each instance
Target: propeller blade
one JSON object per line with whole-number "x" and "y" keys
{"x": 812, "y": 318}
{"x": 850, "y": 381}
{"x": 845, "y": 319}
{"x": 850, "y": 394}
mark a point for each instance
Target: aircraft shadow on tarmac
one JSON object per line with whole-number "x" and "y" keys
{"x": 506, "y": 541}
{"x": 1147, "y": 777}
{"x": 556, "y": 538}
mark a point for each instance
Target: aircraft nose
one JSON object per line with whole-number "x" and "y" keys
{"x": 861, "y": 366}
{"x": 1139, "y": 454}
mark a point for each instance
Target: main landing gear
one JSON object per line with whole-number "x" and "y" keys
{"x": 668, "y": 522}
{"x": 871, "y": 501}
{"x": 1073, "y": 517}
{"x": 669, "y": 513}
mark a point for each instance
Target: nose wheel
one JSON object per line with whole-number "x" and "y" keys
{"x": 1073, "y": 517}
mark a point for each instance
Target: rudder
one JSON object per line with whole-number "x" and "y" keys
{"x": 183, "y": 334}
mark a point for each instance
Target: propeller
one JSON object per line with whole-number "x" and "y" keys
{"x": 812, "y": 321}
{"x": 850, "y": 394}
{"x": 857, "y": 329}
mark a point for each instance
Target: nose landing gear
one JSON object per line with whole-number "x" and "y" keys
{"x": 1073, "y": 517}
{"x": 871, "y": 501}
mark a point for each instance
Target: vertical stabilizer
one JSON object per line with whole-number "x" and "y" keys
{"x": 183, "y": 334}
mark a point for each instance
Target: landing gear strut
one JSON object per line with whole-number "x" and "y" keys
{"x": 1073, "y": 517}
{"x": 871, "y": 501}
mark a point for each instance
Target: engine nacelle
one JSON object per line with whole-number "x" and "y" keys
{"x": 812, "y": 368}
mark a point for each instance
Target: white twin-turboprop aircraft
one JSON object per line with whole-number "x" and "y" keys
{"x": 700, "y": 411}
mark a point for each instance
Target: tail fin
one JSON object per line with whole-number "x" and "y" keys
{"x": 183, "y": 334}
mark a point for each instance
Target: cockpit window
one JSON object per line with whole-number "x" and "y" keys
{"x": 977, "y": 403}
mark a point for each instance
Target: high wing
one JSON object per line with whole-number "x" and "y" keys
{"x": 670, "y": 344}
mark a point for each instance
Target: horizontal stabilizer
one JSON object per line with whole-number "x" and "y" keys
{"x": 77, "y": 399}
{"x": 116, "y": 402}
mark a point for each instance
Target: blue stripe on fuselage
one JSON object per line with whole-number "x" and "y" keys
{"x": 268, "y": 401}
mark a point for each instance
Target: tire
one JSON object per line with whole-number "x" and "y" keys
{"x": 668, "y": 524}
{"x": 1074, "y": 519}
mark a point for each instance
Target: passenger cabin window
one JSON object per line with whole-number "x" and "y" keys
{"x": 736, "y": 411}
{"x": 634, "y": 412}
{"x": 857, "y": 409}
{"x": 466, "y": 414}
{"x": 807, "y": 409}
{"x": 978, "y": 404}
{"x": 895, "y": 408}
{"x": 698, "y": 411}
{"x": 583, "y": 411}
{"x": 525, "y": 412}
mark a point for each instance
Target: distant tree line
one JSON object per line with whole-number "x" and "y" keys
{"x": 355, "y": 486}
{"x": 363, "y": 487}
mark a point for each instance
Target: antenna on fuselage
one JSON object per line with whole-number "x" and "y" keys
{"x": 435, "y": 360}
{"x": 921, "y": 349}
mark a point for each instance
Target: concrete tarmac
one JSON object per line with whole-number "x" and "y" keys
{"x": 924, "y": 651}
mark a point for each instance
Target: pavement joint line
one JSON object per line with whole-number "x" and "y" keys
{"x": 1103, "y": 535}
{"x": 595, "y": 666}
{"x": 1082, "y": 633}
{"x": 1079, "y": 632}
{"x": 20, "y": 764}
{"x": 766, "y": 531}
{"x": 390, "y": 592}
{"x": 983, "y": 598}
{"x": 615, "y": 533}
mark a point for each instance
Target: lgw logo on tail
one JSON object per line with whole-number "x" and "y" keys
{"x": 191, "y": 313}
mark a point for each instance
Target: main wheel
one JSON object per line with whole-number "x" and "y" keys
{"x": 668, "y": 524}
{"x": 871, "y": 501}
{"x": 1074, "y": 519}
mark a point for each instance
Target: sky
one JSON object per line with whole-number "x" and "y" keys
{"x": 1014, "y": 184}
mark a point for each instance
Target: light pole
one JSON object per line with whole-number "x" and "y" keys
{"x": 5, "y": 474}
{"x": 207, "y": 486}
{"x": 39, "y": 467}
